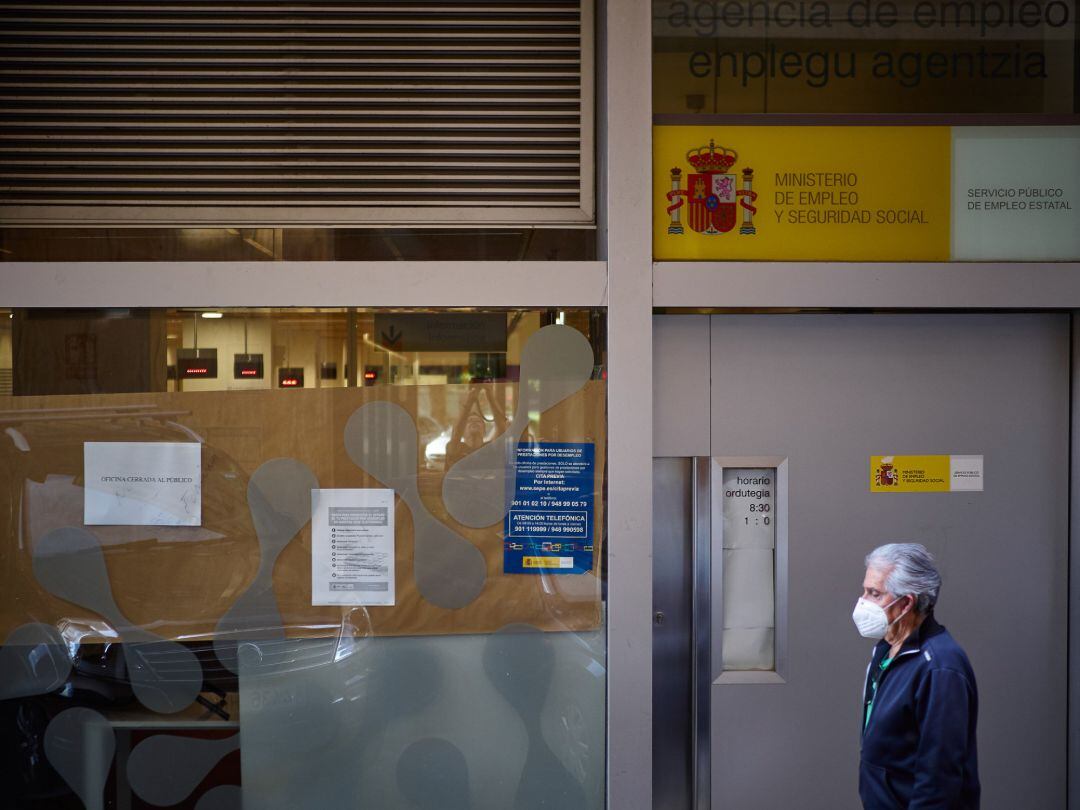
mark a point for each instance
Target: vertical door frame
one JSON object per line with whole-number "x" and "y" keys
{"x": 1072, "y": 727}
{"x": 626, "y": 239}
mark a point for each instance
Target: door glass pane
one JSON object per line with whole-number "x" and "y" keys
{"x": 749, "y": 568}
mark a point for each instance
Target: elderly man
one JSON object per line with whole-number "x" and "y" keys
{"x": 919, "y": 702}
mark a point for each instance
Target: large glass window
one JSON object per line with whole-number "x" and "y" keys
{"x": 296, "y": 244}
{"x": 316, "y": 558}
{"x": 864, "y": 56}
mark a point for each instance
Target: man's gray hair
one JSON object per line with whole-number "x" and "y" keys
{"x": 911, "y": 570}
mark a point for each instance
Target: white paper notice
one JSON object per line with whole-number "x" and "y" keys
{"x": 142, "y": 483}
{"x": 748, "y": 648}
{"x": 749, "y": 599}
{"x": 352, "y": 547}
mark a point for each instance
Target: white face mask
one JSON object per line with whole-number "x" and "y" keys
{"x": 871, "y": 620}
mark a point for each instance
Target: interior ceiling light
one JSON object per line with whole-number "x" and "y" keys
{"x": 212, "y": 315}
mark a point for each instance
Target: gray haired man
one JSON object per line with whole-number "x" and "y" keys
{"x": 920, "y": 703}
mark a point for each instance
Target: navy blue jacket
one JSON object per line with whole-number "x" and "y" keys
{"x": 918, "y": 750}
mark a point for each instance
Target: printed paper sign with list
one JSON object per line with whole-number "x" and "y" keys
{"x": 352, "y": 547}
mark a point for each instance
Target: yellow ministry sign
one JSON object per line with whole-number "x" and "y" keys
{"x": 926, "y": 473}
{"x": 801, "y": 193}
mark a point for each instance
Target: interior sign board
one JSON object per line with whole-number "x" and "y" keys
{"x": 938, "y": 473}
{"x": 454, "y": 332}
{"x": 194, "y": 364}
{"x": 352, "y": 547}
{"x": 142, "y": 483}
{"x": 290, "y": 377}
{"x": 549, "y": 528}
{"x": 247, "y": 366}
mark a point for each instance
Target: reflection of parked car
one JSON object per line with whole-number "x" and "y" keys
{"x": 270, "y": 655}
{"x": 42, "y": 484}
{"x": 41, "y": 477}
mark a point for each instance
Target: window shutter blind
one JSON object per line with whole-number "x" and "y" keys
{"x": 243, "y": 112}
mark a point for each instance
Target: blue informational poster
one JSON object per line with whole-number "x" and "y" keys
{"x": 549, "y": 528}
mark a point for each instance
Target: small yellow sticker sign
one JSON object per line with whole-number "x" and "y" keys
{"x": 801, "y": 193}
{"x": 934, "y": 473}
{"x": 547, "y": 562}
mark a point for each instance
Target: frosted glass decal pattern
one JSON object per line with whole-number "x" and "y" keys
{"x": 432, "y": 774}
{"x": 511, "y": 720}
{"x": 279, "y": 497}
{"x": 79, "y": 744}
{"x": 556, "y": 362}
{"x": 166, "y": 768}
{"x": 519, "y": 660}
{"x": 165, "y": 676}
{"x": 381, "y": 438}
{"x": 222, "y": 797}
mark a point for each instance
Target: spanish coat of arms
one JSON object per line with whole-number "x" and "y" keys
{"x": 712, "y": 195}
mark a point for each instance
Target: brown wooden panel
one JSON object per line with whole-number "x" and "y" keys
{"x": 179, "y": 588}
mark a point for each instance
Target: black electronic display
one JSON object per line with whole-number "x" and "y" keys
{"x": 290, "y": 377}
{"x": 248, "y": 366}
